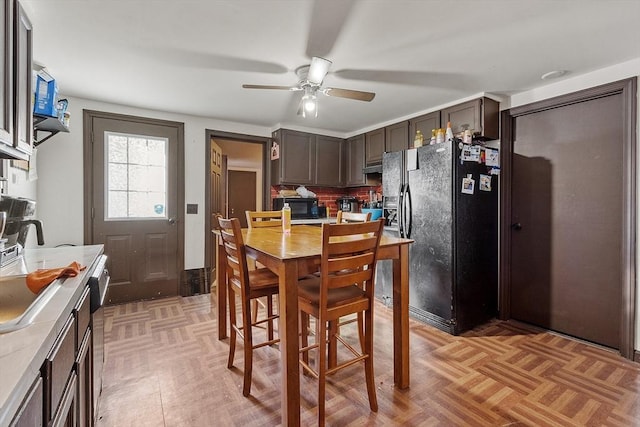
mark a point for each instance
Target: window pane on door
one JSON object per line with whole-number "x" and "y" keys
{"x": 136, "y": 175}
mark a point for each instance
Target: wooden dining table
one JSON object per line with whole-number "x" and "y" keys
{"x": 289, "y": 255}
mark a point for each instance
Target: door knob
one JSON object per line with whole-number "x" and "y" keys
{"x": 516, "y": 226}
{"x": 172, "y": 221}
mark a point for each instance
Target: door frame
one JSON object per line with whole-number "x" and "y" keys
{"x": 87, "y": 138}
{"x": 628, "y": 89}
{"x": 266, "y": 182}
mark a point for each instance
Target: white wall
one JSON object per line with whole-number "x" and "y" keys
{"x": 585, "y": 81}
{"x": 60, "y": 175}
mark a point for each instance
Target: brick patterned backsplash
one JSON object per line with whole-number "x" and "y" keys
{"x": 327, "y": 196}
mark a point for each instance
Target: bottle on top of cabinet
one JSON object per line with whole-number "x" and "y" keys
{"x": 286, "y": 218}
{"x": 449, "y": 133}
{"x": 418, "y": 140}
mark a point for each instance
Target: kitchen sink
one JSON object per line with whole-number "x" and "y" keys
{"x": 18, "y": 305}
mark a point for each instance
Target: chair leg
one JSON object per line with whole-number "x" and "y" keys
{"x": 304, "y": 337}
{"x": 322, "y": 370}
{"x": 232, "y": 329}
{"x": 361, "y": 330}
{"x": 254, "y": 310}
{"x": 368, "y": 362}
{"x": 333, "y": 343}
{"x": 270, "y": 314}
{"x": 248, "y": 348}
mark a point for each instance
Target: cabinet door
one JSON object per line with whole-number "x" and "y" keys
{"x": 463, "y": 116}
{"x": 6, "y": 73}
{"x": 397, "y": 137}
{"x": 374, "y": 146}
{"x": 84, "y": 390}
{"x": 355, "y": 161}
{"x": 30, "y": 412}
{"x": 329, "y": 161}
{"x": 297, "y": 158}
{"x": 424, "y": 124}
{"x": 23, "y": 136}
{"x": 480, "y": 115}
{"x": 57, "y": 367}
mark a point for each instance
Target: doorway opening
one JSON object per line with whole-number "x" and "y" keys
{"x": 233, "y": 161}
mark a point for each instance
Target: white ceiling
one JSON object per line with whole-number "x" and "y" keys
{"x": 192, "y": 57}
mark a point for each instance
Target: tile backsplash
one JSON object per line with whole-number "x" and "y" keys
{"x": 327, "y": 196}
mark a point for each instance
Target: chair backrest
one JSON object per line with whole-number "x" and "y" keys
{"x": 352, "y": 217}
{"x": 264, "y": 219}
{"x": 349, "y": 255}
{"x": 231, "y": 234}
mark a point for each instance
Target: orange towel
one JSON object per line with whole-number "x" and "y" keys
{"x": 41, "y": 278}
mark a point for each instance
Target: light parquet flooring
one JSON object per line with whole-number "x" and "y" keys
{"x": 165, "y": 367}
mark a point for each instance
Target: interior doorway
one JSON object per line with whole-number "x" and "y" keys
{"x": 240, "y": 153}
{"x": 569, "y": 209}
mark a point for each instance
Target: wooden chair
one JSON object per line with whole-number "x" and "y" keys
{"x": 249, "y": 285}
{"x": 264, "y": 219}
{"x": 352, "y": 217}
{"x": 349, "y": 217}
{"x": 257, "y": 219}
{"x": 345, "y": 286}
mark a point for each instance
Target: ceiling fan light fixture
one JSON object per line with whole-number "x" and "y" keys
{"x": 318, "y": 70}
{"x": 309, "y": 105}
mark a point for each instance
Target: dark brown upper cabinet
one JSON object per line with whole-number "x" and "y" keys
{"x": 23, "y": 57}
{"x": 425, "y": 124}
{"x": 15, "y": 82}
{"x": 374, "y": 146}
{"x": 397, "y": 137}
{"x": 480, "y": 115}
{"x": 329, "y": 159}
{"x": 355, "y": 149}
{"x": 6, "y": 73}
{"x": 297, "y": 161}
{"x": 307, "y": 159}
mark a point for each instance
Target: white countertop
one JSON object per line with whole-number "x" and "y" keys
{"x": 22, "y": 352}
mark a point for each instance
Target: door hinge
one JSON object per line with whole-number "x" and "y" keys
{"x": 92, "y": 137}
{"x": 93, "y": 212}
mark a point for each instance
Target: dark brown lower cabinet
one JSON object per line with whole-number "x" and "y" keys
{"x": 66, "y": 414}
{"x": 30, "y": 412}
{"x": 56, "y": 369}
{"x": 84, "y": 369}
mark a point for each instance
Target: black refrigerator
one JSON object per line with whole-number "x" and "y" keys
{"x": 445, "y": 197}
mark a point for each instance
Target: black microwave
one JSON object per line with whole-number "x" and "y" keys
{"x": 301, "y": 207}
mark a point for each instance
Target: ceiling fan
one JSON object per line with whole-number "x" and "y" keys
{"x": 310, "y": 81}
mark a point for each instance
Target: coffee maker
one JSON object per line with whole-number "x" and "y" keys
{"x": 19, "y": 217}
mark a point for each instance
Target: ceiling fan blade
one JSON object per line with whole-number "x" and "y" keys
{"x": 290, "y": 88}
{"x": 348, "y": 93}
{"x": 318, "y": 69}
{"x": 327, "y": 20}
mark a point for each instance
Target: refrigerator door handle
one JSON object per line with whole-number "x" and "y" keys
{"x": 407, "y": 210}
{"x": 401, "y": 210}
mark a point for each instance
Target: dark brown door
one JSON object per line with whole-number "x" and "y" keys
{"x": 137, "y": 204}
{"x": 241, "y": 194}
{"x": 567, "y": 221}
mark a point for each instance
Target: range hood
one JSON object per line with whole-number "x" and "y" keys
{"x": 372, "y": 169}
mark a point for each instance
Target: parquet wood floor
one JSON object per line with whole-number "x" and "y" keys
{"x": 165, "y": 367}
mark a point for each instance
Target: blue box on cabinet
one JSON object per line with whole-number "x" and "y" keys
{"x": 46, "y": 94}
